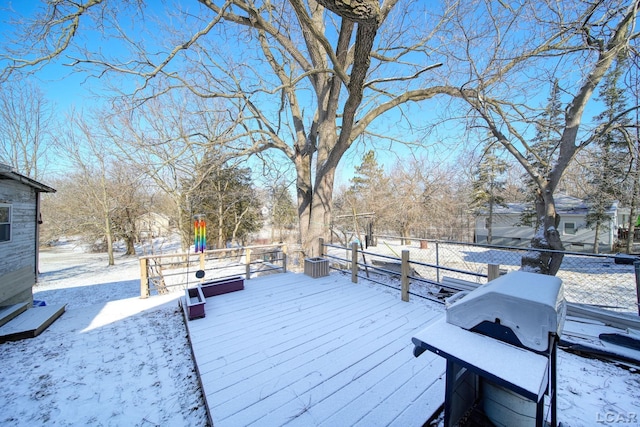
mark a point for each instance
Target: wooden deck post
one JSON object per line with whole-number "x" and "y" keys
{"x": 404, "y": 275}
{"x": 493, "y": 272}
{"x": 283, "y": 248}
{"x": 354, "y": 262}
{"x": 247, "y": 261}
{"x": 144, "y": 280}
{"x": 321, "y": 245}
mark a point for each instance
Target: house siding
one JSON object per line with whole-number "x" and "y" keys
{"x": 18, "y": 256}
{"x": 505, "y": 232}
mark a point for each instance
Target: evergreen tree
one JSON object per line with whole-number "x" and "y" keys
{"x": 608, "y": 171}
{"x": 225, "y": 195}
{"x": 633, "y": 85}
{"x": 488, "y": 185}
{"x": 368, "y": 175}
{"x": 367, "y": 194}
{"x": 283, "y": 210}
{"x": 543, "y": 150}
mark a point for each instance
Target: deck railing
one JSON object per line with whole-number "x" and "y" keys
{"x": 363, "y": 264}
{"x": 415, "y": 268}
{"x": 610, "y": 281}
{"x": 163, "y": 273}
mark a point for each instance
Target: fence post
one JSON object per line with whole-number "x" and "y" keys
{"x": 404, "y": 275}
{"x": 493, "y": 272}
{"x": 636, "y": 267}
{"x": 247, "y": 261}
{"x": 437, "y": 262}
{"x": 354, "y": 262}
{"x": 144, "y": 280}
{"x": 321, "y": 244}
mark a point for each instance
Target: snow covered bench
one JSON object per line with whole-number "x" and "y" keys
{"x": 451, "y": 284}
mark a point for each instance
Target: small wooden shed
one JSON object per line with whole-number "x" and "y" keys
{"x": 19, "y": 235}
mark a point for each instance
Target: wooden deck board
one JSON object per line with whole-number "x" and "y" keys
{"x": 30, "y": 323}
{"x": 10, "y": 312}
{"x": 292, "y": 350}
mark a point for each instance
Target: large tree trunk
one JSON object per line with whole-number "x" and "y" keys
{"x": 304, "y": 187}
{"x": 546, "y": 237}
{"x": 129, "y": 241}
{"x": 321, "y": 208}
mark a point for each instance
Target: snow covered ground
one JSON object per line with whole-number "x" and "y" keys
{"x": 114, "y": 359}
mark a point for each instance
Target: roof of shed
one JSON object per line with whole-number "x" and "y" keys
{"x": 7, "y": 172}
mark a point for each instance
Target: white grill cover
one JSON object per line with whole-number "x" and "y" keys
{"x": 531, "y": 305}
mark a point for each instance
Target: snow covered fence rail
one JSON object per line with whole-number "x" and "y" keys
{"x": 595, "y": 279}
{"x": 402, "y": 272}
{"x": 163, "y": 273}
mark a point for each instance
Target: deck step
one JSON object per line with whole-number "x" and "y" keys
{"x": 11, "y": 311}
{"x": 30, "y": 323}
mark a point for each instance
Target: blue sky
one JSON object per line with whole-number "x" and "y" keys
{"x": 68, "y": 89}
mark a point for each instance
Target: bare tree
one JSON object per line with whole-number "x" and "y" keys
{"x": 126, "y": 184}
{"x": 298, "y": 87}
{"x": 100, "y": 197}
{"x": 317, "y": 73}
{"x": 504, "y": 60}
{"x": 25, "y": 128}
{"x": 166, "y": 139}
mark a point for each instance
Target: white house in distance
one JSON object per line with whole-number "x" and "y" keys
{"x": 152, "y": 224}
{"x": 575, "y": 234}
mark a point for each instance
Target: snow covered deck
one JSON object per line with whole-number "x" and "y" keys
{"x": 296, "y": 351}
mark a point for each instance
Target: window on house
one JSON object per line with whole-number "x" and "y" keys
{"x": 570, "y": 228}
{"x": 5, "y": 223}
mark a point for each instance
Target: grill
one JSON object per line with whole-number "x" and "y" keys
{"x": 500, "y": 343}
{"x": 524, "y": 309}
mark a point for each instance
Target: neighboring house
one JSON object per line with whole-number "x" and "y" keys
{"x": 19, "y": 235}
{"x": 152, "y": 224}
{"x": 575, "y": 234}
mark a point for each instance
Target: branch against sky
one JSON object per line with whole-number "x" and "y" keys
{"x": 534, "y": 46}
{"x": 26, "y": 128}
{"x": 296, "y": 83}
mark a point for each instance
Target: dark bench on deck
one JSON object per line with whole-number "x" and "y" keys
{"x": 222, "y": 286}
{"x": 196, "y": 298}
